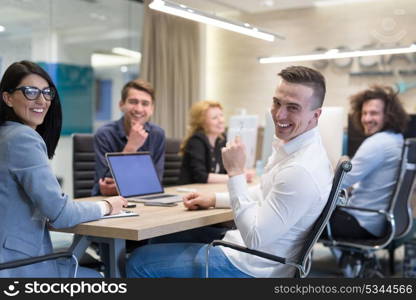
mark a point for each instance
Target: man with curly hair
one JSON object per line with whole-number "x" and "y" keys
{"x": 379, "y": 115}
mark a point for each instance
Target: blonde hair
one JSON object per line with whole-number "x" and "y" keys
{"x": 197, "y": 117}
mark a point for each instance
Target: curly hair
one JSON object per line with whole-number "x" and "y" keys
{"x": 197, "y": 116}
{"x": 395, "y": 117}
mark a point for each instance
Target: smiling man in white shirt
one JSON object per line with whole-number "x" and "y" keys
{"x": 275, "y": 216}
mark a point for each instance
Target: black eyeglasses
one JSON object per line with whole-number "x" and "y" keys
{"x": 32, "y": 93}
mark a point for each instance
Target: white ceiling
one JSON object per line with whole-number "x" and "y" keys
{"x": 250, "y": 6}
{"x": 102, "y": 18}
{"x": 102, "y": 24}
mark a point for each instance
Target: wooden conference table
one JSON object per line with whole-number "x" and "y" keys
{"x": 152, "y": 221}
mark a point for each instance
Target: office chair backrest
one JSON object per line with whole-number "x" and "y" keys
{"x": 343, "y": 167}
{"x": 83, "y": 164}
{"x": 172, "y": 162}
{"x": 404, "y": 189}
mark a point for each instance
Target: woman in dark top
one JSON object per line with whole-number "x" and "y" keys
{"x": 201, "y": 149}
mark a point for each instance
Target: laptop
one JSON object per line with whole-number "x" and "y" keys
{"x": 136, "y": 178}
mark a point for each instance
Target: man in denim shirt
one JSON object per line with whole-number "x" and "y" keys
{"x": 378, "y": 113}
{"x": 132, "y": 133}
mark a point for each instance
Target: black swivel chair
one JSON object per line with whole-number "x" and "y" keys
{"x": 303, "y": 262}
{"x": 398, "y": 216}
{"x": 405, "y": 224}
{"x": 83, "y": 168}
{"x": 83, "y": 164}
{"x": 173, "y": 162}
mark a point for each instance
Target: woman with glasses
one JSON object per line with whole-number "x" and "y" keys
{"x": 30, "y": 196}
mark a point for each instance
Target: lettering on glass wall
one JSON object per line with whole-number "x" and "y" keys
{"x": 380, "y": 65}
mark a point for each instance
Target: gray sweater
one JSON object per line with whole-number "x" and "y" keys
{"x": 31, "y": 200}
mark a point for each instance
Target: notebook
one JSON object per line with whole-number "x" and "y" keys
{"x": 136, "y": 178}
{"x": 121, "y": 214}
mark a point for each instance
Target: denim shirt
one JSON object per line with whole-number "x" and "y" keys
{"x": 112, "y": 138}
{"x": 373, "y": 176}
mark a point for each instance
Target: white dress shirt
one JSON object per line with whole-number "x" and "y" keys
{"x": 277, "y": 215}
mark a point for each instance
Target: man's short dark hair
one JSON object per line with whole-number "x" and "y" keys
{"x": 138, "y": 84}
{"x": 309, "y": 77}
{"x": 395, "y": 117}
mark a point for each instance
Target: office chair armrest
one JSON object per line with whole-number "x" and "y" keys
{"x": 33, "y": 260}
{"x": 343, "y": 198}
{"x": 250, "y": 251}
{"x": 377, "y": 211}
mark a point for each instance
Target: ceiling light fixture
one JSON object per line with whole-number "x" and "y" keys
{"x": 335, "y": 54}
{"x": 111, "y": 59}
{"x": 203, "y": 17}
{"x": 2, "y": 28}
{"x": 127, "y": 52}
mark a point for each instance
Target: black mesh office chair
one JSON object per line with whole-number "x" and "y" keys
{"x": 361, "y": 252}
{"x": 83, "y": 168}
{"x": 403, "y": 214}
{"x": 396, "y": 243}
{"x": 172, "y": 162}
{"x": 303, "y": 262}
{"x": 83, "y": 164}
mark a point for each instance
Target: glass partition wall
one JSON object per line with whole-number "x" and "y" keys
{"x": 82, "y": 44}
{"x": 89, "y": 47}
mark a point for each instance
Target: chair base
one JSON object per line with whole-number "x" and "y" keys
{"x": 360, "y": 265}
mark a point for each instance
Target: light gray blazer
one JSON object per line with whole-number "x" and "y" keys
{"x": 30, "y": 200}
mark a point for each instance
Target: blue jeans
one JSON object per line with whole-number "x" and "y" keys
{"x": 180, "y": 260}
{"x": 88, "y": 273}
{"x": 203, "y": 235}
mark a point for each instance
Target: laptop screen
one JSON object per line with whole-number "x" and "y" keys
{"x": 134, "y": 173}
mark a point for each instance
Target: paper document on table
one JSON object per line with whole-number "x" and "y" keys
{"x": 123, "y": 213}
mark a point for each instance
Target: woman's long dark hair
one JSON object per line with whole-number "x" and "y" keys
{"x": 50, "y": 129}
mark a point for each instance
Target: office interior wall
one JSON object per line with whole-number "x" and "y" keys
{"x": 234, "y": 76}
{"x": 330, "y": 127}
{"x": 75, "y": 86}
